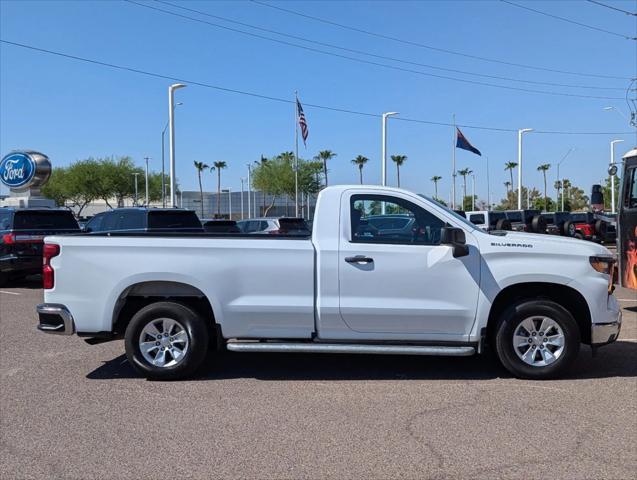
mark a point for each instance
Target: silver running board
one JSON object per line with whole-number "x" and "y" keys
{"x": 463, "y": 351}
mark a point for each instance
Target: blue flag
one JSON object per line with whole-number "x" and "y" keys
{"x": 463, "y": 143}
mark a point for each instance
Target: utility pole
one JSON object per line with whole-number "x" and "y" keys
{"x": 473, "y": 191}
{"x": 453, "y": 164}
{"x": 612, "y": 177}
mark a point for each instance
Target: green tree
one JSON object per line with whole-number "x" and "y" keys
{"x": 436, "y": 179}
{"x": 360, "y": 162}
{"x": 606, "y": 189}
{"x": 544, "y": 168}
{"x": 398, "y": 160}
{"x": 324, "y": 156}
{"x": 464, "y": 172}
{"x": 57, "y": 187}
{"x": 200, "y": 167}
{"x": 218, "y": 166}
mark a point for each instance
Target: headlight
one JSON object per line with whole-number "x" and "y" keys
{"x": 603, "y": 264}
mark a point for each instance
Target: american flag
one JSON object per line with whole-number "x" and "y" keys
{"x": 302, "y": 123}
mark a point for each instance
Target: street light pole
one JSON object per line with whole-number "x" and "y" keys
{"x": 163, "y": 163}
{"x": 249, "y": 191}
{"x": 473, "y": 191}
{"x": 171, "y": 136}
{"x": 384, "y": 148}
{"x": 242, "y": 181}
{"x": 520, "y": 132}
{"x": 612, "y": 177}
{"x": 146, "y": 178}
{"x": 135, "y": 175}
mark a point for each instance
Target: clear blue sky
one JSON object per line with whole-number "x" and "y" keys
{"x": 71, "y": 110}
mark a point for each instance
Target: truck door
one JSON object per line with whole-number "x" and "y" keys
{"x": 401, "y": 281}
{"x": 627, "y": 223}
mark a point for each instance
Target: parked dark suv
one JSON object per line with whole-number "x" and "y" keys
{"x": 142, "y": 220}
{"x": 21, "y": 233}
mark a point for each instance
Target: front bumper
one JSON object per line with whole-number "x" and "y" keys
{"x": 55, "y": 318}
{"x": 607, "y": 332}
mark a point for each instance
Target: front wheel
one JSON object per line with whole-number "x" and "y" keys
{"x": 166, "y": 341}
{"x": 537, "y": 339}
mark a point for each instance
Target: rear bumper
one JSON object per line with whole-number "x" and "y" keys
{"x": 16, "y": 263}
{"x": 55, "y": 318}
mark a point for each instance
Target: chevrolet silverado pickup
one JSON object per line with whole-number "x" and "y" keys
{"x": 441, "y": 286}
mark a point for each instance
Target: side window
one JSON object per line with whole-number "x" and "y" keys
{"x": 95, "y": 223}
{"x": 630, "y": 199}
{"x": 109, "y": 221}
{"x": 132, "y": 220}
{"x": 5, "y": 220}
{"x": 477, "y": 219}
{"x": 386, "y": 219}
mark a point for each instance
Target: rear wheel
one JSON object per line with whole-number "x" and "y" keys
{"x": 537, "y": 339}
{"x": 166, "y": 341}
{"x": 503, "y": 224}
{"x": 569, "y": 229}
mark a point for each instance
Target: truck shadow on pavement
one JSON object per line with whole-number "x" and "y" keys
{"x": 32, "y": 282}
{"x": 615, "y": 360}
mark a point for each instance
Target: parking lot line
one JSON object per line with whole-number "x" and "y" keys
{"x": 10, "y": 293}
{"x": 627, "y": 299}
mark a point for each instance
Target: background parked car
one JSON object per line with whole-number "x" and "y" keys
{"x": 220, "y": 226}
{"x": 141, "y": 219}
{"x": 589, "y": 227}
{"x": 21, "y": 235}
{"x": 275, "y": 226}
{"x": 526, "y": 221}
{"x": 489, "y": 220}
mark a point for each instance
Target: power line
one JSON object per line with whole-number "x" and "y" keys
{"x": 279, "y": 99}
{"x": 369, "y": 62}
{"x": 612, "y": 8}
{"x": 361, "y": 52}
{"x": 431, "y": 47}
{"x": 568, "y": 20}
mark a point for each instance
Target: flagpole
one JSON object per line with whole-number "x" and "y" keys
{"x": 296, "y": 154}
{"x": 453, "y": 166}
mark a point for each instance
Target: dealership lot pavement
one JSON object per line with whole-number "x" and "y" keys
{"x": 70, "y": 410}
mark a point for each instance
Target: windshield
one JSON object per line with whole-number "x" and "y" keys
{"x": 460, "y": 218}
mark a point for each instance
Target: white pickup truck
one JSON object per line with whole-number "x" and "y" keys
{"x": 385, "y": 271}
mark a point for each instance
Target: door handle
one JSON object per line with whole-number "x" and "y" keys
{"x": 359, "y": 259}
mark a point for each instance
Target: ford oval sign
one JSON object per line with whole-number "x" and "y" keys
{"x": 22, "y": 170}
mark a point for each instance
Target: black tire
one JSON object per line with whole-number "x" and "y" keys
{"x": 538, "y": 224}
{"x": 569, "y": 229}
{"x": 196, "y": 330}
{"x": 510, "y": 322}
{"x": 579, "y": 236}
{"x": 600, "y": 228}
{"x": 503, "y": 224}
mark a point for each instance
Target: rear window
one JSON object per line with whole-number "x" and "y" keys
{"x": 288, "y": 224}
{"x": 477, "y": 219}
{"x": 176, "y": 219}
{"x": 514, "y": 216}
{"x": 34, "y": 220}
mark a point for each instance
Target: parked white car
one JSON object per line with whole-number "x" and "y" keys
{"x": 441, "y": 287}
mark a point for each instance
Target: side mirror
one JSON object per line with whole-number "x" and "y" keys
{"x": 455, "y": 237}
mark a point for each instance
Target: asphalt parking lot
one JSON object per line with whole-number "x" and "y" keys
{"x": 71, "y": 410}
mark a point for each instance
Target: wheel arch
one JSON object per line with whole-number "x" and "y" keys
{"x": 563, "y": 295}
{"x": 138, "y": 295}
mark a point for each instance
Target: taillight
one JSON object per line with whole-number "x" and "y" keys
{"x": 12, "y": 238}
{"x": 49, "y": 251}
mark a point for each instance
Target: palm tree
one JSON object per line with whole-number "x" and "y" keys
{"x": 436, "y": 179}
{"x": 218, "y": 166}
{"x": 324, "y": 156}
{"x": 464, "y": 172}
{"x": 398, "y": 160}
{"x": 510, "y": 166}
{"x": 200, "y": 166}
{"x": 544, "y": 168}
{"x": 360, "y": 161}
{"x": 507, "y": 184}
